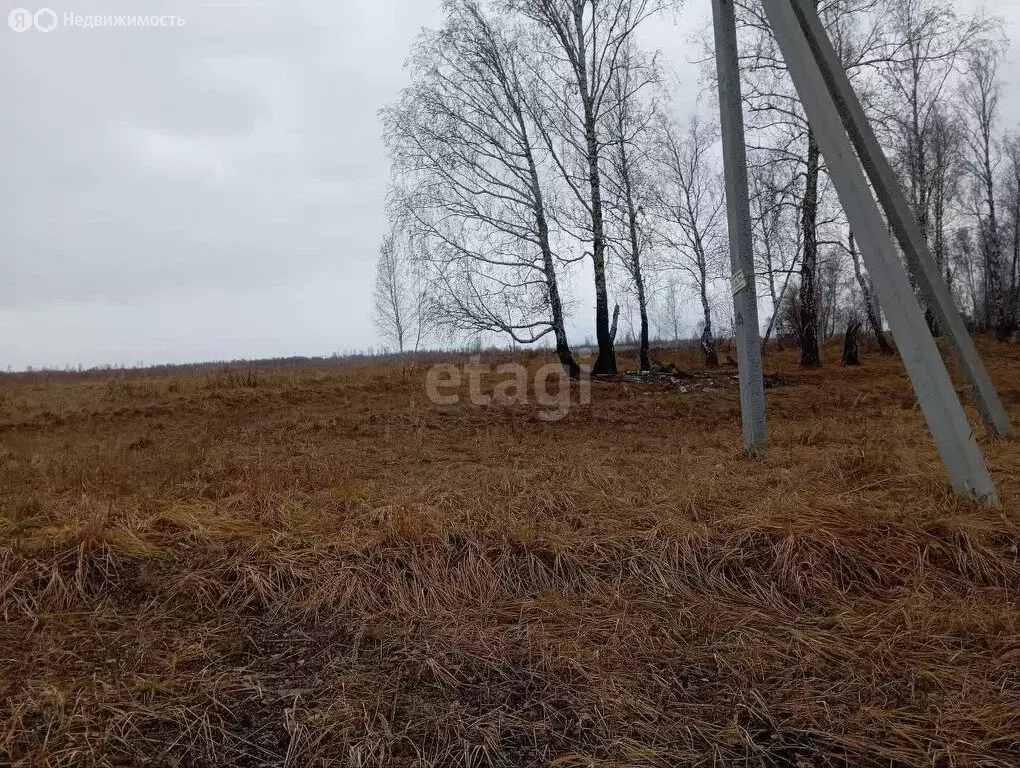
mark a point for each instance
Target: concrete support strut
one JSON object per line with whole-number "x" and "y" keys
{"x": 745, "y": 294}
{"x": 898, "y": 211}
{"x": 935, "y": 392}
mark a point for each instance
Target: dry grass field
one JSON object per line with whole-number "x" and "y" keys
{"x": 318, "y": 567}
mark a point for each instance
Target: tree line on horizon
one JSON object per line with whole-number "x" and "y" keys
{"x": 537, "y": 138}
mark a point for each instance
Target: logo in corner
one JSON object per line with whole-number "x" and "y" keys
{"x": 20, "y": 20}
{"x": 45, "y": 20}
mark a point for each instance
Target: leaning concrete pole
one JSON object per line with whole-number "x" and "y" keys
{"x": 745, "y": 295}
{"x": 915, "y": 247}
{"x": 935, "y": 391}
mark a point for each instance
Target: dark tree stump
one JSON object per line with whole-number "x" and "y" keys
{"x": 851, "y": 352}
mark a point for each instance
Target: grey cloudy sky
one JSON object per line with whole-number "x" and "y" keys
{"x": 211, "y": 191}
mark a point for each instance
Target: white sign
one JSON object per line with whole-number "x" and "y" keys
{"x": 739, "y": 281}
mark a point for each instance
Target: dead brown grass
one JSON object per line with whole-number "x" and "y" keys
{"x": 316, "y": 567}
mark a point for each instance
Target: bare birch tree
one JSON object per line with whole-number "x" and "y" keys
{"x": 399, "y": 300}
{"x": 1011, "y": 152}
{"x": 927, "y": 43}
{"x": 691, "y": 210}
{"x": 469, "y": 179}
{"x": 774, "y": 211}
{"x": 947, "y": 147}
{"x": 981, "y": 104}
{"x": 582, "y": 44}
{"x": 627, "y": 182}
{"x": 871, "y": 309}
{"x": 670, "y": 312}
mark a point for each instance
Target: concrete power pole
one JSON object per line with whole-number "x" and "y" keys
{"x": 745, "y": 294}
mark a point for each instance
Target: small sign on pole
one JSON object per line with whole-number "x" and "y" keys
{"x": 739, "y": 281}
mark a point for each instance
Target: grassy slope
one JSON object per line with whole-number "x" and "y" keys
{"x": 317, "y": 567}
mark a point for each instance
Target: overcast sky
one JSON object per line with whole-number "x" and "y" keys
{"x": 211, "y": 191}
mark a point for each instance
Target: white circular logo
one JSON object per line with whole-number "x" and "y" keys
{"x": 20, "y": 20}
{"x": 45, "y": 20}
